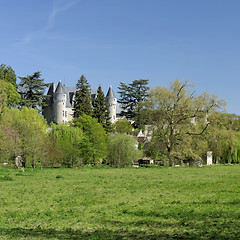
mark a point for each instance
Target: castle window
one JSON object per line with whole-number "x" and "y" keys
{"x": 65, "y": 113}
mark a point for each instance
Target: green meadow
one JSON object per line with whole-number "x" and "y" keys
{"x": 131, "y": 203}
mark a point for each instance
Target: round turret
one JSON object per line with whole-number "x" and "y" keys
{"x": 59, "y": 103}
{"x": 111, "y": 101}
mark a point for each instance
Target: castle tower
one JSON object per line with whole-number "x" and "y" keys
{"x": 59, "y": 103}
{"x": 111, "y": 101}
{"x": 48, "y": 109}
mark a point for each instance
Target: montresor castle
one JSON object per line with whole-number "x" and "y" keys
{"x": 60, "y": 104}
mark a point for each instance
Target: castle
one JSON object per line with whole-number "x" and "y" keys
{"x": 60, "y": 103}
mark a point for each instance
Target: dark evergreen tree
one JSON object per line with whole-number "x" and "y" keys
{"x": 82, "y": 102}
{"x": 131, "y": 97}
{"x": 100, "y": 109}
{"x": 31, "y": 89}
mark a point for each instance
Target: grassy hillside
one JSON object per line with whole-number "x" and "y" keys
{"x": 105, "y": 203}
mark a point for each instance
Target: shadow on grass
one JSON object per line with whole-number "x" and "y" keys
{"x": 38, "y": 233}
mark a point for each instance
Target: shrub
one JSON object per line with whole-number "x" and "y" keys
{"x": 121, "y": 150}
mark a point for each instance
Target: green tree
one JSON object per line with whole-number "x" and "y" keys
{"x": 122, "y": 125}
{"x": 9, "y": 144}
{"x": 82, "y": 102}
{"x": 8, "y": 74}
{"x": 53, "y": 153}
{"x": 31, "y": 89}
{"x": 131, "y": 98}
{"x": 69, "y": 138}
{"x": 31, "y": 128}
{"x": 8, "y": 95}
{"x": 178, "y": 116}
{"x": 100, "y": 111}
{"x": 94, "y": 145}
{"x": 121, "y": 150}
{"x": 223, "y": 137}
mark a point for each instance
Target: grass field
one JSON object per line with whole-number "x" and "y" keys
{"x": 105, "y": 203}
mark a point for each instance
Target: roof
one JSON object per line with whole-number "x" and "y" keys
{"x": 51, "y": 89}
{"x": 110, "y": 93}
{"x": 70, "y": 91}
{"x": 59, "y": 88}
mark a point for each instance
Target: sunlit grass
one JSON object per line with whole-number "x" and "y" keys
{"x": 106, "y": 203}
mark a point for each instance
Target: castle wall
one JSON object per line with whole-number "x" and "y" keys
{"x": 68, "y": 114}
{"x": 112, "y": 108}
{"x": 59, "y": 106}
{"x": 47, "y": 113}
{"x": 59, "y": 102}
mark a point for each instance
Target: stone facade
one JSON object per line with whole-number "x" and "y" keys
{"x": 60, "y": 104}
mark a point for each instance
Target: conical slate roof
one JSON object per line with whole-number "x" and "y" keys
{"x": 110, "y": 93}
{"x": 59, "y": 88}
{"x": 51, "y": 89}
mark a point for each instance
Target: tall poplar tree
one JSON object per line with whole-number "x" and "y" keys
{"x": 100, "y": 109}
{"x": 82, "y": 101}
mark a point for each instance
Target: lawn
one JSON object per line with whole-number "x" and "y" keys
{"x": 133, "y": 203}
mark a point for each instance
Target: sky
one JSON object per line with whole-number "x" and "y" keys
{"x": 113, "y": 41}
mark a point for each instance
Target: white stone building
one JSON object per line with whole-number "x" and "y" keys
{"x": 60, "y": 104}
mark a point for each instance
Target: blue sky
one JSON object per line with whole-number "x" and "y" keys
{"x": 123, "y": 40}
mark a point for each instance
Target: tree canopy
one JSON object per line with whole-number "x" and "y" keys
{"x": 131, "y": 95}
{"x": 121, "y": 150}
{"x": 94, "y": 144}
{"x": 69, "y": 139}
{"x": 8, "y": 95}
{"x": 31, "y": 128}
{"x": 100, "y": 111}
{"x": 178, "y": 115}
{"x": 122, "y": 125}
{"x": 31, "y": 89}
{"x": 82, "y": 101}
{"x": 8, "y": 74}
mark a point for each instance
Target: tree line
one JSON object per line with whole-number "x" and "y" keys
{"x": 183, "y": 126}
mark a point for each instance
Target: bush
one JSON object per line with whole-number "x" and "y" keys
{"x": 121, "y": 150}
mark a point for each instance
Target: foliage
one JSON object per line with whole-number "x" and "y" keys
{"x": 223, "y": 138}
{"x": 178, "y": 116}
{"x": 93, "y": 147}
{"x": 31, "y": 89}
{"x": 143, "y": 203}
{"x": 100, "y": 111}
{"x": 9, "y": 144}
{"x": 122, "y": 125}
{"x": 8, "y": 95}
{"x": 69, "y": 138}
{"x": 82, "y": 100}
{"x": 31, "y": 128}
{"x": 152, "y": 151}
{"x": 53, "y": 153}
{"x": 122, "y": 151}
{"x": 131, "y": 97}
{"x": 8, "y": 75}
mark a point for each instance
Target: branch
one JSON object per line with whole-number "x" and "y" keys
{"x": 189, "y": 133}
